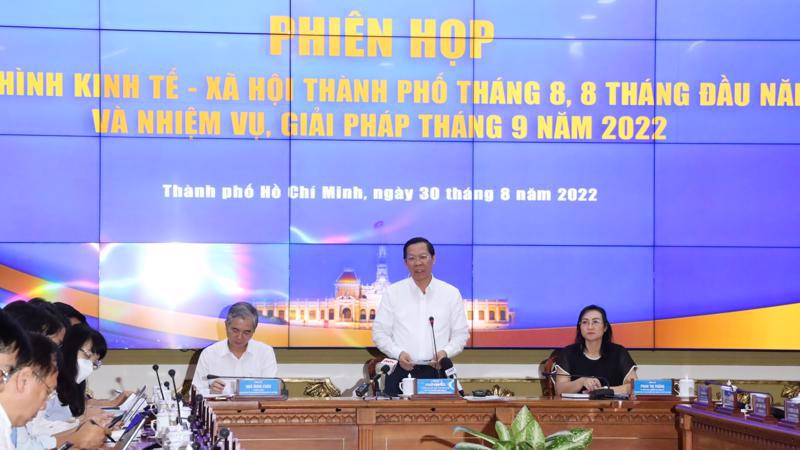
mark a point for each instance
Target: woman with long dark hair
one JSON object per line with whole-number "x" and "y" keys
{"x": 83, "y": 351}
{"x": 65, "y": 417}
{"x": 594, "y": 361}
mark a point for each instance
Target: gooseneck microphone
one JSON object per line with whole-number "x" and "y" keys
{"x": 223, "y": 434}
{"x": 174, "y": 384}
{"x": 450, "y": 372}
{"x": 175, "y": 389}
{"x": 435, "y": 348}
{"x": 196, "y": 404}
{"x": 158, "y": 378}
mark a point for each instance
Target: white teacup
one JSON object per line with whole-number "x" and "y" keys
{"x": 686, "y": 387}
{"x": 407, "y": 386}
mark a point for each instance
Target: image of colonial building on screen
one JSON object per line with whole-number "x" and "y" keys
{"x": 354, "y": 304}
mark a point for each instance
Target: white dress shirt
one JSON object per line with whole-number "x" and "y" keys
{"x": 38, "y": 433}
{"x": 216, "y": 359}
{"x": 5, "y": 431}
{"x": 402, "y": 323}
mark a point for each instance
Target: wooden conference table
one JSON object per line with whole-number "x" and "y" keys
{"x": 701, "y": 429}
{"x": 428, "y": 424}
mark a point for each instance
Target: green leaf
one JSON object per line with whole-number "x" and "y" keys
{"x": 502, "y": 431}
{"x": 526, "y": 429}
{"x": 521, "y": 420}
{"x": 537, "y": 436}
{"x": 471, "y": 446}
{"x": 574, "y": 439}
{"x": 504, "y": 445}
{"x": 485, "y": 437}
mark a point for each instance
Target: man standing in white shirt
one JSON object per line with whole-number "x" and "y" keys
{"x": 415, "y": 309}
{"x": 236, "y": 356}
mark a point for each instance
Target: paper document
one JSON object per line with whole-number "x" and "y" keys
{"x": 574, "y": 395}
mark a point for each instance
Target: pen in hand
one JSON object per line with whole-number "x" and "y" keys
{"x": 108, "y": 436}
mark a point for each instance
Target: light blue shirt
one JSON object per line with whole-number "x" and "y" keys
{"x": 38, "y": 433}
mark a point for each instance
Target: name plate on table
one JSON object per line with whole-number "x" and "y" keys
{"x": 652, "y": 387}
{"x": 259, "y": 387}
{"x": 791, "y": 417}
{"x": 704, "y": 399}
{"x": 762, "y": 407}
{"x": 436, "y": 387}
{"x": 730, "y": 404}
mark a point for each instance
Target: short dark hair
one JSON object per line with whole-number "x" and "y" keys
{"x": 69, "y": 311}
{"x": 14, "y": 338}
{"x": 608, "y": 335}
{"x": 69, "y": 392}
{"x": 417, "y": 240}
{"x": 34, "y": 319}
{"x": 45, "y": 357}
{"x": 242, "y": 310}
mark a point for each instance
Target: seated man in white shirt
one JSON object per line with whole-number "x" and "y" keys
{"x": 27, "y": 385}
{"x": 236, "y": 356}
{"x": 403, "y": 328}
{"x": 15, "y": 351}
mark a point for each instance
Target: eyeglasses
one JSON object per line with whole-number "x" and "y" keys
{"x": 421, "y": 258}
{"x": 51, "y": 391}
{"x": 96, "y": 363}
{"x": 5, "y": 374}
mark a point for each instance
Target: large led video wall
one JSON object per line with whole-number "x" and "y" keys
{"x": 162, "y": 160}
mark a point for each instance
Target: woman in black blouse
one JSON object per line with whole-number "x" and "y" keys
{"x": 593, "y": 361}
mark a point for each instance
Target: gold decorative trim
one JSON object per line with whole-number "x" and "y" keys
{"x": 630, "y": 418}
{"x": 433, "y": 417}
{"x": 288, "y": 418}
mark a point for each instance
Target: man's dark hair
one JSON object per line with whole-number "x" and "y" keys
{"x": 45, "y": 357}
{"x": 34, "y": 319}
{"x": 69, "y": 392}
{"x": 69, "y": 311}
{"x": 417, "y": 240}
{"x": 14, "y": 338}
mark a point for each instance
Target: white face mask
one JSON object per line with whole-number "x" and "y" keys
{"x": 85, "y": 368}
